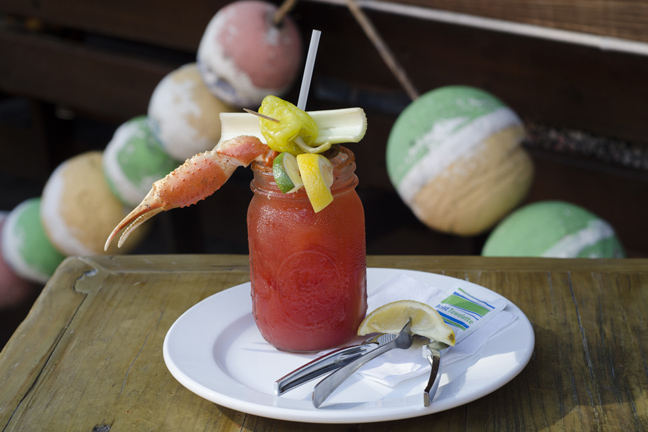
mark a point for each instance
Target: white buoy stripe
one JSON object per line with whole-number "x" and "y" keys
{"x": 572, "y": 245}
{"x": 446, "y": 148}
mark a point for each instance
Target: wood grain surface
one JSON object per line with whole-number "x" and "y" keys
{"x": 89, "y": 355}
{"x": 178, "y": 24}
{"x": 620, "y": 19}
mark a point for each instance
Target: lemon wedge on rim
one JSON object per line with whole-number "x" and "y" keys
{"x": 317, "y": 174}
{"x": 391, "y": 318}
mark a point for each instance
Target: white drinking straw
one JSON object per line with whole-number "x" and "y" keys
{"x": 308, "y": 69}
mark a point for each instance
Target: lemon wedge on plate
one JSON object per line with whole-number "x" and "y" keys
{"x": 317, "y": 174}
{"x": 391, "y": 318}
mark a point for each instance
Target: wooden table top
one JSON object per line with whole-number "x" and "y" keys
{"x": 89, "y": 355}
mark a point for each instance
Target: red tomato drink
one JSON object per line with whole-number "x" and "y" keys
{"x": 307, "y": 269}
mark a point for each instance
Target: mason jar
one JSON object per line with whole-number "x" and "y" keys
{"x": 307, "y": 270}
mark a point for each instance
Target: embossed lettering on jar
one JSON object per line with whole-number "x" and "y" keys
{"x": 307, "y": 269}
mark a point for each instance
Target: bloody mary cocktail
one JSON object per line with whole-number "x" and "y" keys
{"x": 307, "y": 269}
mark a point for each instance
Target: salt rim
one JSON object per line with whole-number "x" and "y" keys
{"x": 450, "y": 148}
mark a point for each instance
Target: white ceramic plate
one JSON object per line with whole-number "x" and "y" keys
{"x": 215, "y": 350}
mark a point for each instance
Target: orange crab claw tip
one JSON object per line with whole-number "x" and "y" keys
{"x": 112, "y": 235}
{"x": 143, "y": 212}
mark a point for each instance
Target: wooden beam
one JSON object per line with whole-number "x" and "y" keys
{"x": 172, "y": 24}
{"x": 609, "y": 18}
{"x": 102, "y": 84}
{"x": 180, "y": 24}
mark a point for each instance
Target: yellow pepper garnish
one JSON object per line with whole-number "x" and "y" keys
{"x": 295, "y": 131}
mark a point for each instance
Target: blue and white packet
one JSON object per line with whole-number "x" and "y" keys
{"x": 466, "y": 310}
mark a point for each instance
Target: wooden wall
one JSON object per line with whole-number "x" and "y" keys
{"x": 610, "y": 18}
{"x": 81, "y": 68}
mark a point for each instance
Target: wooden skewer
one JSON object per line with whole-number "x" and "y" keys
{"x": 383, "y": 49}
{"x": 249, "y": 111}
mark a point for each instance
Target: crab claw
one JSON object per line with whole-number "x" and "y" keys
{"x": 196, "y": 179}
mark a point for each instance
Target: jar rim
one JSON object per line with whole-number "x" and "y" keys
{"x": 344, "y": 158}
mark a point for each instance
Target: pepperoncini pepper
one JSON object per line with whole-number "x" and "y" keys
{"x": 295, "y": 131}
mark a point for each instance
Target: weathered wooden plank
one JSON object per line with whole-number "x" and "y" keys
{"x": 439, "y": 264}
{"x": 608, "y": 318}
{"x": 105, "y": 367}
{"x": 33, "y": 344}
{"x": 170, "y": 24}
{"x": 159, "y": 22}
{"x": 117, "y": 333}
{"x": 620, "y": 19}
{"x": 98, "y": 83}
